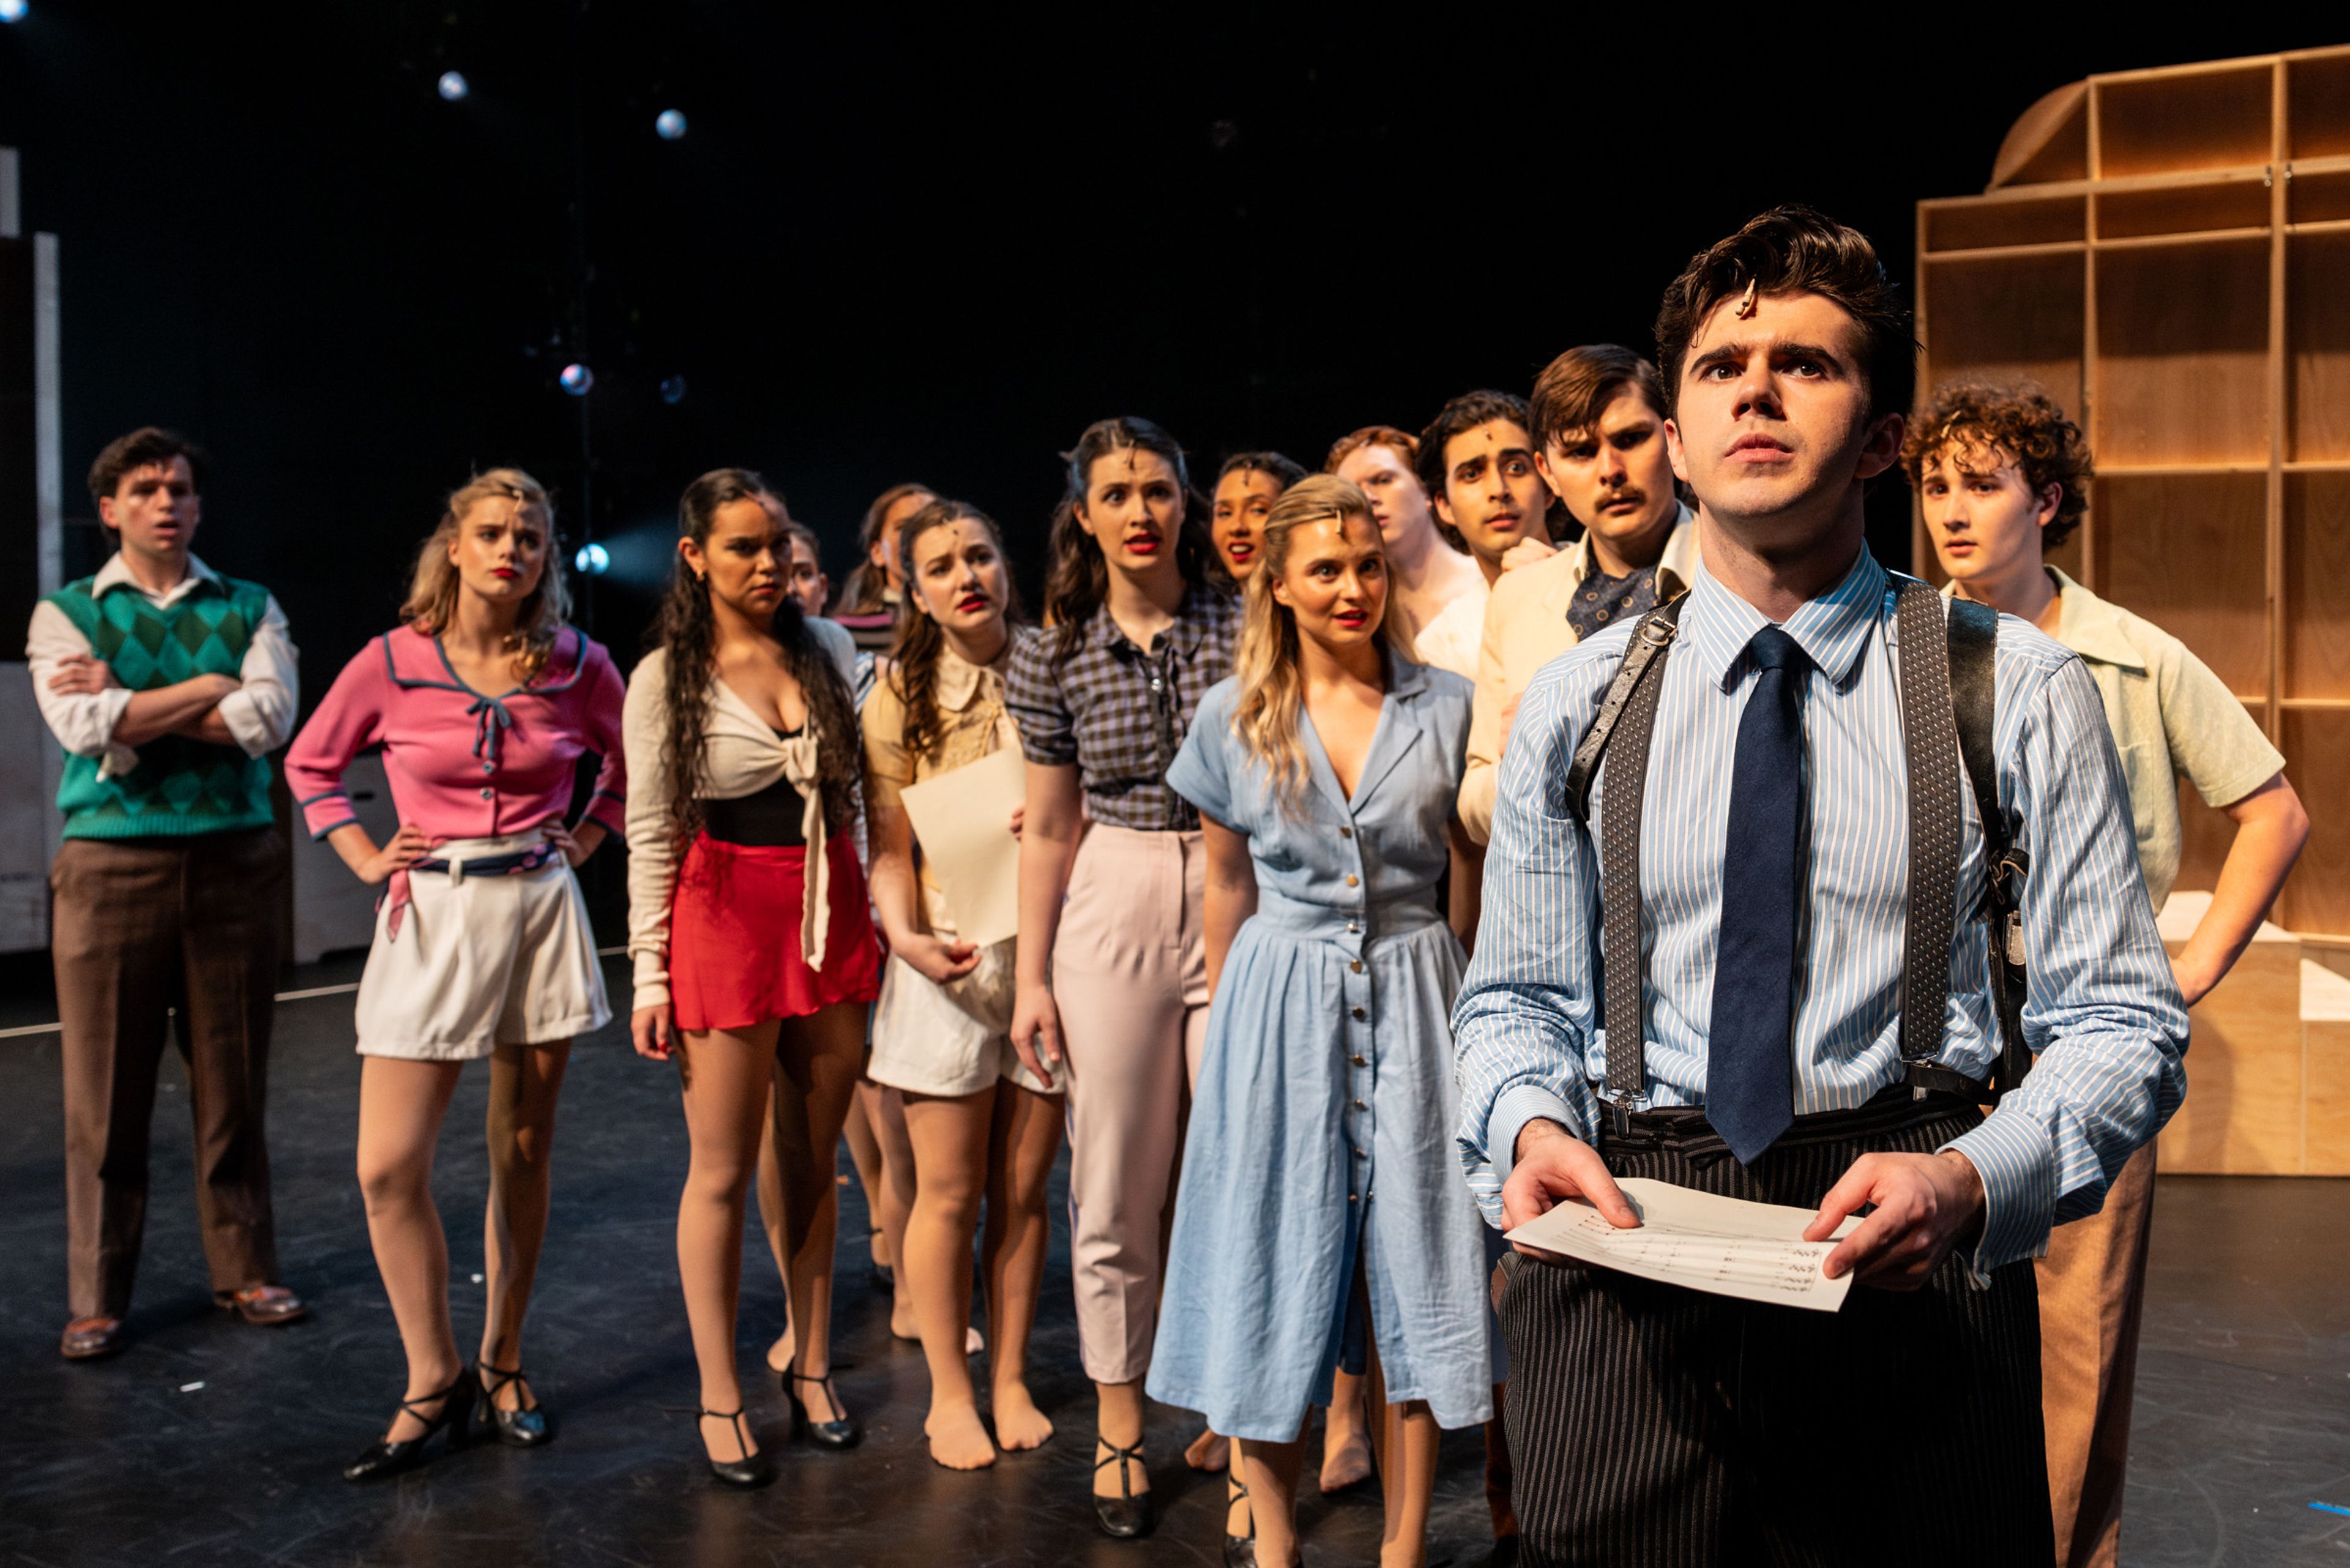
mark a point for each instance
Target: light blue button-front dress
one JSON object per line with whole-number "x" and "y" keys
{"x": 1321, "y": 1126}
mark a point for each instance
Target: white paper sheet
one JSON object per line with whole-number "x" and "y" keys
{"x": 962, "y": 820}
{"x": 1724, "y": 1245}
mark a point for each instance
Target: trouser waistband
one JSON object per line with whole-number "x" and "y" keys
{"x": 1684, "y": 1129}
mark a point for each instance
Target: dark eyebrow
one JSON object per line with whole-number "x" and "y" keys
{"x": 1721, "y": 354}
{"x": 1520, "y": 453}
{"x": 1828, "y": 357}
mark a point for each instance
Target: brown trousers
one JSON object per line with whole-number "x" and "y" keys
{"x": 2092, "y": 1292}
{"x": 141, "y": 927}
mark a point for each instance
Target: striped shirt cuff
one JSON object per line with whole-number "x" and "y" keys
{"x": 2010, "y": 1153}
{"x": 1512, "y": 1109}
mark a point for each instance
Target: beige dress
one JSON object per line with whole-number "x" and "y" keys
{"x": 952, "y": 1039}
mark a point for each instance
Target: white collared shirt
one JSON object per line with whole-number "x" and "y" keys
{"x": 259, "y": 713}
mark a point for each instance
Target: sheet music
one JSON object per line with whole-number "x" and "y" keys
{"x": 962, "y": 820}
{"x": 1700, "y": 1241}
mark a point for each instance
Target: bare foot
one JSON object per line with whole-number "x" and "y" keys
{"x": 973, "y": 1342}
{"x": 902, "y": 1322}
{"x": 1347, "y": 1462}
{"x": 1019, "y": 1425}
{"x": 958, "y": 1440}
{"x": 779, "y": 1354}
{"x": 1208, "y": 1452}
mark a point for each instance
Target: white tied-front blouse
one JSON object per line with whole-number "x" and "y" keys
{"x": 743, "y": 755}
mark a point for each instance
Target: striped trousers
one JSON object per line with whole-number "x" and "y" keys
{"x": 1658, "y": 1426}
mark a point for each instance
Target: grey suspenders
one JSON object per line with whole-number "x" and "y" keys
{"x": 1947, "y": 703}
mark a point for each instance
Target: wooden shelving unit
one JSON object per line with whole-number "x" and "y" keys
{"x": 2168, "y": 253}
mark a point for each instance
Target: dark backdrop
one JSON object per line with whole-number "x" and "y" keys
{"x": 895, "y": 245}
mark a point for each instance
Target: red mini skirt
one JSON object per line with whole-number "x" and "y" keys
{"x": 735, "y": 935}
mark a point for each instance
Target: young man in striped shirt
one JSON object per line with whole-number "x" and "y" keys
{"x": 1754, "y": 1040}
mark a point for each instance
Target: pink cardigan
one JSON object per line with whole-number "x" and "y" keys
{"x": 462, "y": 764}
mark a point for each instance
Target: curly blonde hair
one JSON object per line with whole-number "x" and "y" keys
{"x": 1264, "y": 659}
{"x": 433, "y": 591}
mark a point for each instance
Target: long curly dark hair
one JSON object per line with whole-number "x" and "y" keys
{"x": 915, "y": 657}
{"x": 687, "y": 633}
{"x": 1076, "y": 581}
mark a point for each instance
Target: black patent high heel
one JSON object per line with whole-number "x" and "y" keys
{"x": 1240, "y": 1551}
{"x": 750, "y": 1471}
{"x": 519, "y": 1428}
{"x": 842, "y": 1432}
{"x": 385, "y": 1458}
{"x": 1125, "y": 1517}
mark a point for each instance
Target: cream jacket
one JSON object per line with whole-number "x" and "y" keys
{"x": 1525, "y": 629}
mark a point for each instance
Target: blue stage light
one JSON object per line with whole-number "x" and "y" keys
{"x": 577, "y": 379}
{"x": 672, "y": 389}
{"x": 452, "y": 85}
{"x": 592, "y": 559}
{"x": 669, "y": 125}
{"x": 14, "y": 11}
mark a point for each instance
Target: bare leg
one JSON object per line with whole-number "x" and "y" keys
{"x": 1025, "y": 1138}
{"x": 400, "y": 1107}
{"x": 524, "y": 1081}
{"x": 865, "y": 1154}
{"x": 1209, "y": 1451}
{"x": 900, "y": 1183}
{"x": 726, "y": 1074}
{"x": 1118, "y": 1413}
{"x": 950, "y": 1139}
{"x": 1271, "y": 1470}
{"x": 770, "y": 1189}
{"x": 1345, "y": 1439}
{"x": 1410, "y": 1484}
{"x": 818, "y": 1058}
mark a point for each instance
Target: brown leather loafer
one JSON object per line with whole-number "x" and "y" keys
{"x": 264, "y": 1306}
{"x": 88, "y": 1338}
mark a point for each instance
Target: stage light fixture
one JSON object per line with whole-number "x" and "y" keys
{"x": 14, "y": 11}
{"x": 451, "y": 86}
{"x": 577, "y": 379}
{"x": 592, "y": 560}
{"x": 672, "y": 389}
{"x": 669, "y": 125}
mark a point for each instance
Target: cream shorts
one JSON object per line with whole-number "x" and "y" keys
{"x": 948, "y": 1040}
{"x": 482, "y": 962}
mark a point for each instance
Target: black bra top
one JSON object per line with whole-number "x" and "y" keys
{"x": 771, "y": 818}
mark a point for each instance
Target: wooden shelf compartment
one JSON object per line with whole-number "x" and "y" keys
{"x": 2028, "y": 223}
{"x": 2317, "y": 348}
{"x": 2317, "y": 104}
{"x": 2008, "y": 319}
{"x": 2244, "y": 236}
{"x": 2190, "y": 554}
{"x": 2182, "y": 355}
{"x": 2171, "y": 120}
{"x": 2316, "y": 746}
{"x": 2316, "y": 667}
{"x": 2168, "y": 210}
{"x": 2322, "y": 198}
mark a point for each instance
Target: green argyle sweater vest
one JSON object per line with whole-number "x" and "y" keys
{"x": 181, "y": 787}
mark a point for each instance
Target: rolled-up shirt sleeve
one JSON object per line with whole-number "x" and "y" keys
{"x": 260, "y": 712}
{"x": 1524, "y": 1018}
{"x": 2102, "y": 1013}
{"x": 83, "y": 721}
{"x": 1032, "y": 693}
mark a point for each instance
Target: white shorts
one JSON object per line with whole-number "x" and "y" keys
{"x": 950, "y": 1040}
{"x": 482, "y": 962}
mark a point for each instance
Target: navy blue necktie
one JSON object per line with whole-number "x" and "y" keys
{"x": 1750, "y": 1056}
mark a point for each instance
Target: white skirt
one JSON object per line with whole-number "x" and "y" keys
{"x": 482, "y": 962}
{"x": 949, "y": 1040}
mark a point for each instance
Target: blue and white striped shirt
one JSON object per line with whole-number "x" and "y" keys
{"x": 2104, "y": 1012}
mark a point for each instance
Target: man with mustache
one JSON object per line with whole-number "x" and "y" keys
{"x": 1598, "y": 414}
{"x": 1477, "y": 464}
{"x": 1791, "y": 1000}
{"x": 2004, "y": 476}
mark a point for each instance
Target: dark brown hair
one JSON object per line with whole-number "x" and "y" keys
{"x": 688, "y": 633}
{"x": 914, "y": 660}
{"x": 149, "y": 446}
{"x": 1353, "y": 442}
{"x": 1794, "y": 250}
{"x": 1575, "y": 388}
{"x": 2020, "y": 424}
{"x": 861, "y": 593}
{"x": 1076, "y": 579}
{"x": 1283, "y": 472}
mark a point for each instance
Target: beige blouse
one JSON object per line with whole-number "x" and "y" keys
{"x": 974, "y": 722}
{"x": 745, "y": 755}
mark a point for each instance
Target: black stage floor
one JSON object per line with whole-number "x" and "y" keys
{"x": 209, "y": 1442}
